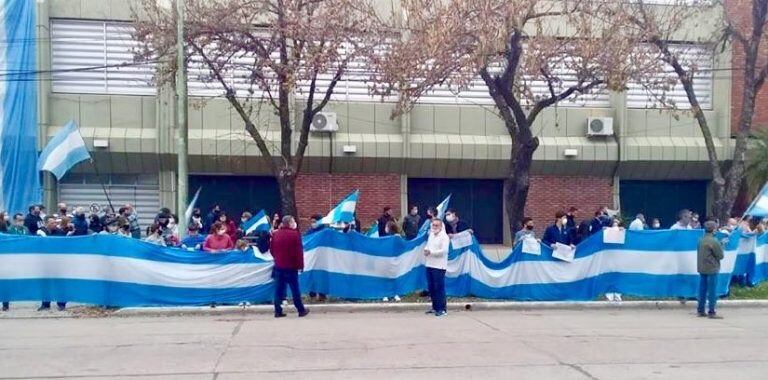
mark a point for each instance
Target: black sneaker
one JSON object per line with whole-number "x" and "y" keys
{"x": 61, "y": 307}
{"x": 304, "y": 313}
{"x": 714, "y": 316}
{"x": 701, "y": 314}
{"x": 281, "y": 315}
{"x": 43, "y": 308}
{"x": 5, "y": 308}
{"x": 430, "y": 311}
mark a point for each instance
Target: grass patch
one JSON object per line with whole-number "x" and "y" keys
{"x": 759, "y": 292}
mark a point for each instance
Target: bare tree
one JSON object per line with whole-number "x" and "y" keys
{"x": 259, "y": 54}
{"x": 516, "y": 48}
{"x": 661, "y": 27}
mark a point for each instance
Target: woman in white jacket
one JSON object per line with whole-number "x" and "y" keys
{"x": 436, "y": 253}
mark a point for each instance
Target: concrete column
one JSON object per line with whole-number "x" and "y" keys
{"x": 168, "y": 189}
{"x": 618, "y": 102}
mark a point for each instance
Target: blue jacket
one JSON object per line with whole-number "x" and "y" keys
{"x": 554, "y": 235}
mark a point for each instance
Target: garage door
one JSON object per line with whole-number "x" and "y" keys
{"x": 478, "y": 202}
{"x": 143, "y": 193}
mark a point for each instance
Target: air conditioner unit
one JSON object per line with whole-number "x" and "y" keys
{"x": 324, "y": 122}
{"x": 600, "y": 126}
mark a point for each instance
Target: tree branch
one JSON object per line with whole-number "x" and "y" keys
{"x": 544, "y": 103}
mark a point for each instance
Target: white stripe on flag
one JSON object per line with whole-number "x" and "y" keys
{"x": 762, "y": 203}
{"x": 348, "y": 206}
{"x": 59, "y": 154}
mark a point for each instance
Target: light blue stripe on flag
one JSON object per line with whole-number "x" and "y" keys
{"x": 19, "y": 181}
{"x": 65, "y": 150}
{"x": 260, "y": 222}
{"x": 344, "y": 212}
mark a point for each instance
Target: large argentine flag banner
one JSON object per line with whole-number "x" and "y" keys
{"x": 117, "y": 271}
{"x": 20, "y": 183}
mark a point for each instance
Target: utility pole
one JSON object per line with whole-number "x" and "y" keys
{"x": 182, "y": 173}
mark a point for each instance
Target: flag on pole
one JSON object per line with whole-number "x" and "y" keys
{"x": 759, "y": 207}
{"x": 344, "y": 212}
{"x": 259, "y": 222}
{"x": 65, "y": 150}
{"x": 441, "y": 208}
{"x": 373, "y": 231}
{"x": 188, "y": 213}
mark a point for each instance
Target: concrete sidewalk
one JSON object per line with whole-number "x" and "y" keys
{"x": 28, "y": 310}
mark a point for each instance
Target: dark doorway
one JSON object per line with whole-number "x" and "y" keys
{"x": 236, "y": 193}
{"x": 663, "y": 199}
{"x": 478, "y": 202}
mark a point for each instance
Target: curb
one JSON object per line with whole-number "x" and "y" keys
{"x": 414, "y": 306}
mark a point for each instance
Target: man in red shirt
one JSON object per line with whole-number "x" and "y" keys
{"x": 288, "y": 253}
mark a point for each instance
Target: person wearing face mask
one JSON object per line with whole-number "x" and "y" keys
{"x": 197, "y": 218}
{"x": 129, "y": 213}
{"x": 288, "y": 252}
{"x": 527, "y": 230}
{"x": 219, "y": 240}
{"x": 412, "y": 223}
{"x": 244, "y": 218}
{"x": 18, "y": 227}
{"x": 63, "y": 211}
{"x": 79, "y": 223}
{"x": 454, "y": 225}
{"x": 695, "y": 223}
{"x": 385, "y": 218}
{"x": 729, "y": 227}
{"x": 638, "y": 224}
{"x": 557, "y": 232}
{"x": 155, "y": 235}
{"x": 436, "y": 262}
{"x": 211, "y": 218}
{"x": 229, "y": 224}
{"x": 655, "y": 224}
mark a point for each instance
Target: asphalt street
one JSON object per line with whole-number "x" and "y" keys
{"x": 536, "y": 344}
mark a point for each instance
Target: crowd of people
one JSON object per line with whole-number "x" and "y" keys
{"x": 216, "y": 232}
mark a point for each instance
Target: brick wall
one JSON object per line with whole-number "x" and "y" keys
{"x": 317, "y": 193}
{"x": 549, "y": 194}
{"x": 739, "y": 11}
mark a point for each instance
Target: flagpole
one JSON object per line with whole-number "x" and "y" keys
{"x": 98, "y": 178}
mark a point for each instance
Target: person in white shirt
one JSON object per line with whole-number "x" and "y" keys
{"x": 436, "y": 261}
{"x": 638, "y": 224}
{"x": 683, "y": 221}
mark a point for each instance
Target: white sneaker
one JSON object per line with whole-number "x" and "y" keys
{"x": 397, "y": 298}
{"x": 385, "y": 299}
{"x": 617, "y": 297}
{"x": 609, "y": 297}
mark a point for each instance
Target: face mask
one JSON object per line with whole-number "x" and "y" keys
{"x": 450, "y": 218}
{"x": 243, "y": 220}
{"x": 222, "y": 232}
{"x": 294, "y": 226}
{"x": 63, "y": 211}
{"x": 656, "y": 225}
{"x": 564, "y": 221}
{"x": 529, "y": 228}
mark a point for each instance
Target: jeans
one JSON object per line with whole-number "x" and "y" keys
{"x": 436, "y": 285}
{"x": 707, "y": 292}
{"x": 287, "y": 278}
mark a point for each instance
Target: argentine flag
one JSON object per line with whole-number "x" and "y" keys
{"x": 260, "y": 222}
{"x": 344, "y": 212}
{"x": 759, "y": 207}
{"x": 19, "y": 182}
{"x": 373, "y": 231}
{"x": 441, "y": 208}
{"x": 64, "y": 151}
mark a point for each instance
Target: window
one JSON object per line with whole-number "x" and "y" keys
{"x": 96, "y": 57}
{"x": 699, "y": 57}
{"x": 354, "y": 84}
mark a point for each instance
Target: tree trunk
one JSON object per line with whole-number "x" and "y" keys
{"x": 286, "y": 180}
{"x": 518, "y": 182}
